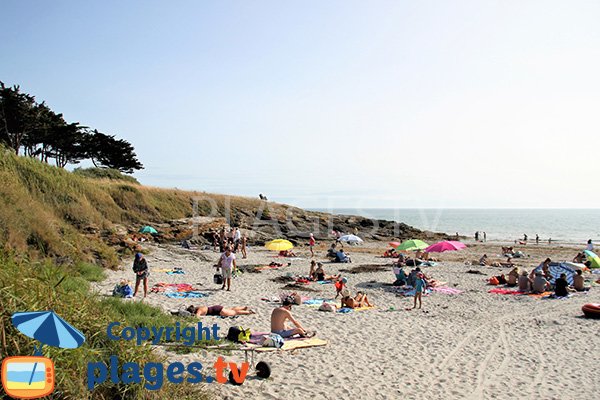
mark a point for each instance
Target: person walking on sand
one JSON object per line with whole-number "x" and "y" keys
{"x": 311, "y": 244}
{"x": 140, "y": 267}
{"x": 227, "y": 265}
{"x": 280, "y": 315}
{"x": 420, "y": 286}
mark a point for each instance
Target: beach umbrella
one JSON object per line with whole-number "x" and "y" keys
{"x": 593, "y": 258}
{"x": 48, "y": 328}
{"x": 148, "y": 229}
{"x": 412, "y": 245}
{"x": 447, "y": 245}
{"x": 279, "y": 245}
{"x": 394, "y": 244}
{"x": 350, "y": 239}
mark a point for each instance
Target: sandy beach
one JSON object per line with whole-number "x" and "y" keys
{"x": 473, "y": 345}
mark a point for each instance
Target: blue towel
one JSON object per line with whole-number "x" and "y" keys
{"x": 185, "y": 295}
{"x": 345, "y": 310}
{"x": 178, "y": 271}
{"x": 324, "y": 282}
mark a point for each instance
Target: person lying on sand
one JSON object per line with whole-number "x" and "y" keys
{"x": 287, "y": 253}
{"x": 513, "y": 277}
{"x": 391, "y": 253}
{"x": 218, "y": 310}
{"x": 579, "y": 282}
{"x": 524, "y": 282}
{"x": 360, "y": 300}
{"x": 280, "y": 315}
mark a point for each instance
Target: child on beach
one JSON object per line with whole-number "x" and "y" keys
{"x": 140, "y": 267}
{"x": 420, "y": 286}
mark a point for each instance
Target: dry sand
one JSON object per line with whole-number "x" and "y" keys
{"x": 474, "y": 345}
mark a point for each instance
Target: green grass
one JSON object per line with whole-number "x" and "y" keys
{"x": 105, "y": 173}
{"x": 43, "y": 286}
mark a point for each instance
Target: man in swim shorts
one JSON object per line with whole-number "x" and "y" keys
{"x": 280, "y": 315}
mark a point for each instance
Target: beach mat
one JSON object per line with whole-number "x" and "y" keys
{"x": 518, "y": 293}
{"x": 293, "y": 344}
{"x": 185, "y": 295}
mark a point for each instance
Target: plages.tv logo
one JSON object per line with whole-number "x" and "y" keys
{"x": 32, "y": 377}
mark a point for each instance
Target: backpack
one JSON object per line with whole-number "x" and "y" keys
{"x": 272, "y": 340}
{"x": 238, "y": 334}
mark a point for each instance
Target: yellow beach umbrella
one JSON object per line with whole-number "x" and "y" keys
{"x": 279, "y": 245}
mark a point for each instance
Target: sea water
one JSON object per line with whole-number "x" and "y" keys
{"x": 561, "y": 225}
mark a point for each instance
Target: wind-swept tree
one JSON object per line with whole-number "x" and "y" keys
{"x": 106, "y": 151}
{"x": 18, "y": 114}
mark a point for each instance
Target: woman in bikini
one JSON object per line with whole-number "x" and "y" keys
{"x": 360, "y": 300}
{"x": 219, "y": 311}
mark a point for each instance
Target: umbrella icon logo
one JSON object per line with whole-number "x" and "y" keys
{"x": 32, "y": 377}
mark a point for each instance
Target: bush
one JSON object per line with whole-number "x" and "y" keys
{"x": 105, "y": 173}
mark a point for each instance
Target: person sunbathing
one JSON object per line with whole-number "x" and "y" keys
{"x": 561, "y": 286}
{"x": 287, "y": 253}
{"x": 540, "y": 284}
{"x": 524, "y": 282}
{"x": 280, "y": 315}
{"x": 579, "y": 282}
{"x": 321, "y": 276}
{"x": 391, "y": 253}
{"x": 219, "y": 310}
{"x": 579, "y": 258}
{"x": 360, "y": 300}
{"x": 483, "y": 261}
{"x": 513, "y": 277}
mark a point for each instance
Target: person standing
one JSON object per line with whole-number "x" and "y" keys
{"x": 420, "y": 286}
{"x": 227, "y": 265}
{"x": 590, "y": 246}
{"x": 537, "y": 239}
{"x": 525, "y": 237}
{"x": 484, "y": 237}
{"x": 237, "y": 238}
{"x": 140, "y": 267}
{"x": 311, "y": 244}
{"x": 477, "y": 236}
{"x": 244, "y": 251}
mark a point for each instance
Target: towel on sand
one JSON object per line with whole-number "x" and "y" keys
{"x": 185, "y": 295}
{"x": 172, "y": 287}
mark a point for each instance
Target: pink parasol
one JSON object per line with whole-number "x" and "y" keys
{"x": 448, "y": 245}
{"x": 394, "y": 244}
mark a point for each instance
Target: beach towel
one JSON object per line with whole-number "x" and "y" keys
{"x": 185, "y": 295}
{"x": 296, "y": 343}
{"x": 517, "y": 292}
{"x": 317, "y": 302}
{"x": 408, "y": 292}
{"x": 346, "y": 310}
{"x": 173, "y": 287}
{"x": 324, "y": 282}
{"x": 176, "y": 272}
{"x": 446, "y": 290}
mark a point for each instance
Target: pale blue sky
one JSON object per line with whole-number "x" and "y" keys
{"x": 330, "y": 103}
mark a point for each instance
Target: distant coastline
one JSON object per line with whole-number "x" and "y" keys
{"x": 570, "y": 226}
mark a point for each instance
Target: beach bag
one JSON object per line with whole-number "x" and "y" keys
{"x": 327, "y": 307}
{"x": 493, "y": 281}
{"x": 218, "y": 279}
{"x": 272, "y": 340}
{"x": 238, "y": 334}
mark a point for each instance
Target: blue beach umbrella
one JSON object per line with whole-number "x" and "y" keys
{"x": 148, "y": 229}
{"x": 48, "y": 328}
